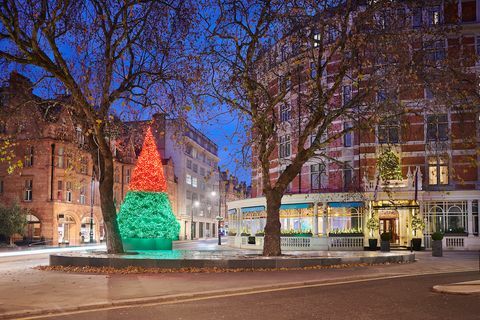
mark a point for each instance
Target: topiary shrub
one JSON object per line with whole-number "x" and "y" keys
{"x": 437, "y": 236}
{"x": 386, "y": 236}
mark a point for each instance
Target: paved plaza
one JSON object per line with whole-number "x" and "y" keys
{"x": 26, "y": 290}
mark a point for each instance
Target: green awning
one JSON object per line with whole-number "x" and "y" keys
{"x": 296, "y": 206}
{"x": 253, "y": 209}
{"x": 346, "y": 204}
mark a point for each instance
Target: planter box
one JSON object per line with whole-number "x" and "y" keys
{"x": 385, "y": 246}
{"x": 437, "y": 249}
{"x": 344, "y": 235}
{"x": 454, "y": 234}
{"x": 372, "y": 244}
{"x": 417, "y": 244}
{"x": 147, "y": 244}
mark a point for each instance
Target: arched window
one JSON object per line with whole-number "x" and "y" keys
{"x": 33, "y": 227}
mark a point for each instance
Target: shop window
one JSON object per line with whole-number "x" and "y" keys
{"x": 28, "y": 190}
{"x": 28, "y": 156}
{"x": 455, "y": 220}
{"x": 437, "y": 127}
{"x": 345, "y": 220}
{"x": 438, "y": 171}
{"x": 284, "y": 147}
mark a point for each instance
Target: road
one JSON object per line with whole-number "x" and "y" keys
{"x": 401, "y": 298}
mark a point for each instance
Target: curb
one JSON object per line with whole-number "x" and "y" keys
{"x": 201, "y": 295}
{"x": 446, "y": 290}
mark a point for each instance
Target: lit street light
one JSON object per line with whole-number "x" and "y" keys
{"x": 195, "y": 204}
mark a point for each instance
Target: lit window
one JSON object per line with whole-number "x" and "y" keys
{"x": 28, "y": 157}
{"x": 433, "y": 16}
{"x": 438, "y": 171}
{"x": 189, "y": 179}
{"x": 194, "y": 182}
{"x": 60, "y": 157}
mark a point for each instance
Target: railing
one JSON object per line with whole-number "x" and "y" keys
{"x": 295, "y": 242}
{"x": 345, "y": 243}
{"x": 454, "y": 242}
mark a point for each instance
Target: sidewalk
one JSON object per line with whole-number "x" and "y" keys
{"x": 32, "y": 291}
{"x": 469, "y": 287}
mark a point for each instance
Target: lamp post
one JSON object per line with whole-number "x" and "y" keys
{"x": 91, "y": 205}
{"x": 195, "y": 204}
{"x": 219, "y": 219}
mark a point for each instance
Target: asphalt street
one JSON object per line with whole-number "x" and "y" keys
{"x": 397, "y": 298}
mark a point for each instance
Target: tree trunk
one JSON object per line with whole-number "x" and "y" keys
{"x": 271, "y": 245}
{"x": 109, "y": 212}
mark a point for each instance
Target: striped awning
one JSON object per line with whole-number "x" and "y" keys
{"x": 296, "y": 206}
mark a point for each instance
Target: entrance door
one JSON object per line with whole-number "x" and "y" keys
{"x": 389, "y": 225}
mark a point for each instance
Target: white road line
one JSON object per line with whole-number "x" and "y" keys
{"x": 51, "y": 250}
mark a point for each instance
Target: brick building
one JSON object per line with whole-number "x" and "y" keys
{"x": 55, "y": 180}
{"x": 437, "y": 150}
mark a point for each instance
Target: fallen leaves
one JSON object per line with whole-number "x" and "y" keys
{"x": 142, "y": 270}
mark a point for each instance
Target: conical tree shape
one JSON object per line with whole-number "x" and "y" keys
{"x": 148, "y": 173}
{"x": 146, "y": 212}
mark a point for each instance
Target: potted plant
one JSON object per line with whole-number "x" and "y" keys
{"x": 417, "y": 224}
{"x": 372, "y": 225}
{"x": 385, "y": 241}
{"x": 437, "y": 250}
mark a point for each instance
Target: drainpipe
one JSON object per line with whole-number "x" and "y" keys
{"x": 52, "y": 172}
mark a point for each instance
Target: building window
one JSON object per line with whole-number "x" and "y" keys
{"x": 428, "y": 93}
{"x": 195, "y": 167}
{"x": 345, "y": 220}
{"x": 60, "y": 190}
{"x": 381, "y": 96}
{"x": 284, "y": 146}
{"x": 80, "y": 136}
{"x": 317, "y": 38}
{"x": 83, "y": 190}
{"x": 116, "y": 175}
{"x": 189, "y": 164}
{"x": 195, "y": 153}
{"x": 194, "y": 182}
{"x": 435, "y": 50}
{"x": 348, "y": 135}
{"x": 285, "y": 112}
{"x": 438, "y": 171}
{"x": 189, "y": 150}
{"x": 317, "y": 176}
{"x": 433, "y": 16}
{"x": 437, "y": 127}
{"x": 84, "y": 165}
{"x": 60, "y": 157}
{"x": 202, "y": 171}
{"x": 28, "y": 157}
{"x": 346, "y": 94}
{"x": 313, "y": 70}
{"x": 469, "y": 11}
{"x": 417, "y": 17}
{"x": 127, "y": 175}
{"x": 27, "y": 195}
{"x": 189, "y": 179}
{"x": 388, "y": 132}
{"x": 68, "y": 187}
{"x": 347, "y": 177}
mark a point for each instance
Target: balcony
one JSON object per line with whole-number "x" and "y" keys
{"x": 407, "y": 184}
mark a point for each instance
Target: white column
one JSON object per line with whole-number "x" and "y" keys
{"x": 315, "y": 219}
{"x": 469, "y": 218}
{"x": 325, "y": 219}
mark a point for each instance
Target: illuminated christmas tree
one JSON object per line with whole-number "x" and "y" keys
{"x": 146, "y": 219}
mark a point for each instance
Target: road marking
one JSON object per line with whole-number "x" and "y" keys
{"x": 240, "y": 292}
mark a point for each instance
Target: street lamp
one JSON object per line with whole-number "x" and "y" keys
{"x": 92, "y": 201}
{"x": 219, "y": 219}
{"x": 195, "y": 204}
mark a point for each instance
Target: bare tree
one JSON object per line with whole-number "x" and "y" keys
{"x": 108, "y": 57}
{"x": 325, "y": 63}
